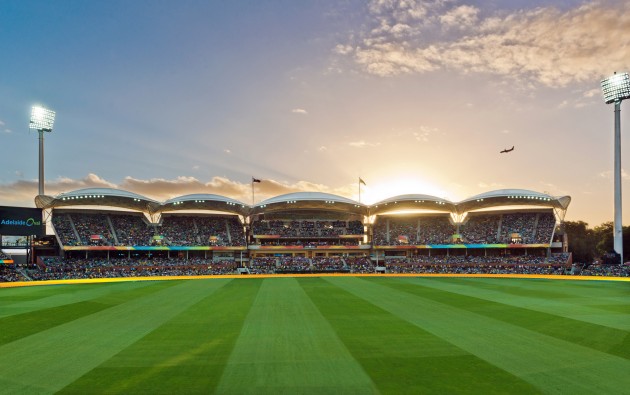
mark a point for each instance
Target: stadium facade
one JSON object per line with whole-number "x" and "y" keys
{"x": 109, "y": 223}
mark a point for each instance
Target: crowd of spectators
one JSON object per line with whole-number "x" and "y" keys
{"x": 554, "y": 259}
{"x": 509, "y": 228}
{"x": 309, "y": 243}
{"x": 263, "y": 265}
{"x": 531, "y": 228}
{"x": 393, "y": 267}
{"x": 329, "y": 264}
{"x": 360, "y": 265}
{"x": 54, "y": 268}
{"x": 413, "y": 230}
{"x": 606, "y": 270}
{"x": 545, "y": 228}
{"x": 179, "y": 231}
{"x": 93, "y": 229}
{"x": 435, "y": 230}
{"x": 133, "y": 230}
{"x": 63, "y": 226}
{"x": 481, "y": 229}
{"x": 307, "y": 228}
{"x": 10, "y": 274}
{"x": 293, "y": 265}
{"x": 297, "y": 264}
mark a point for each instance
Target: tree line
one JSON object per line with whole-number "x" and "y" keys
{"x": 588, "y": 244}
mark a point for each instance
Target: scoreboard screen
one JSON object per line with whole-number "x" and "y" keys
{"x": 21, "y": 221}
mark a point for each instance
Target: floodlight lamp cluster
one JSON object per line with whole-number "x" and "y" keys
{"x": 82, "y": 197}
{"x": 42, "y": 119}
{"x": 616, "y": 88}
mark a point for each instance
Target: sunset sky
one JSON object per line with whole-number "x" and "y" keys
{"x": 166, "y": 98}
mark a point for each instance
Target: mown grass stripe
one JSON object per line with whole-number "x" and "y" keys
{"x": 51, "y": 359}
{"x": 17, "y": 326}
{"x": 286, "y": 346}
{"x": 10, "y": 296}
{"x": 586, "y": 290}
{"x": 552, "y": 365}
{"x": 559, "y": 304}
{"x": 598, "y": 337}
{"x": 186, "y": 354}
{"x": 402, "y": 358}
{"x": 66, "y": 294}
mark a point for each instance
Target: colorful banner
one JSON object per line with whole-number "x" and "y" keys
{"x": 457, "y": 246}
{"x": 152, "y": 248}
{"x": 275, "y": 248}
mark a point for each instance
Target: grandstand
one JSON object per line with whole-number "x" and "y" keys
{"x": 108, "y": 232}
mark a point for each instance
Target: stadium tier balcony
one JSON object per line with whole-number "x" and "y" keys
{"x": 132, "y": 230}
{"x": 63, "y": 227}
{"x": 413, "y": 230}
{"x": 307, "y": 229}
{"x": 481, "y": 229}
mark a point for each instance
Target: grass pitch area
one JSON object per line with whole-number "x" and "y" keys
{"x": 317, "y": 335}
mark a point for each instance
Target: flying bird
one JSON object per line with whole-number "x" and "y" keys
{"x": 505, "y": 151}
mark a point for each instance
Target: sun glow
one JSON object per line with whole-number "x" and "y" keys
{"x": 378, "y": 190}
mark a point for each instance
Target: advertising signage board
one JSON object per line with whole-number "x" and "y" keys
{"x": 21, "y": 221}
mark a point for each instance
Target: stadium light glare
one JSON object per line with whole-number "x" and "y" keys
{"x": 616, "y": 88}
{"x": 42, "y": 120}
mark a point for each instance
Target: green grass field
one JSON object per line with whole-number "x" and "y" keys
{"x": 319, "y": 335}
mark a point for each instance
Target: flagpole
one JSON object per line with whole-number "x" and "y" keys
{"x": 254, "y": 180}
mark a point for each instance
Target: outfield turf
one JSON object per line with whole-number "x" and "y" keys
{"x": 317, "y": 335}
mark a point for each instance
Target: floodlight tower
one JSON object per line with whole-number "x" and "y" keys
{"x": 42, "y": 120}
{"x": 616, "y": 88}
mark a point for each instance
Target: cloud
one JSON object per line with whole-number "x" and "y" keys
{"x": 322, "y": 148}
{"x": 3, "y": 129}
{"x": 299, "y": 111}
{"x": 460, "y": 17}
{"x": 227, "y": 151}
{"x": 195, "y": 167}
{"x": 23, "y": 192}
{"x": 423, "y": 133}
{"x": 506, "y": 131}
{"x": 362, "y": 144}
{"x": 608, "y": 174}
{"x": 592, "y": 92}
{"x": 544, "y": 45}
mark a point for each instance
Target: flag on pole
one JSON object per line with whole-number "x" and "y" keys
{"x": 255, "y": 179}
{"x": 361, "y": 181}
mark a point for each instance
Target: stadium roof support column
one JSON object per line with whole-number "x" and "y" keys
{"x": 616, "y": 88}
